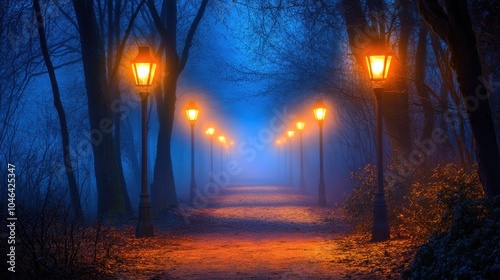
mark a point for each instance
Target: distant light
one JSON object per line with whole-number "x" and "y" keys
{"x": 222, "y": 139}
{"x": 319, "y": 110}
{"x": 210, "y": 131}
{"x": 290, "y": 133}
{"x": 300, "y": 125}
{"x": 192, "y": 112}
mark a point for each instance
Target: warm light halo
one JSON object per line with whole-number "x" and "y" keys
{"x": 210, "y": 131}
{"x": 378, "y": 61}
{"x": 300, "y": 125}
{"x": 290, "y": 133}
{"x": 319, "y": 110}
{"x": 192, "y": 112}
{"x": 143, "y": 67}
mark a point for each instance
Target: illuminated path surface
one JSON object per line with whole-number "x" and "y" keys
{"x": 262, "y": 232}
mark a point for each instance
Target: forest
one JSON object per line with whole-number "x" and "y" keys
{"x": 179, "y": 139}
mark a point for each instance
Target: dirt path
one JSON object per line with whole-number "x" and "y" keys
{"x": 263, "y": 232}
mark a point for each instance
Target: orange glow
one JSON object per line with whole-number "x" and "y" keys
{"x": 222, "y": 139}
{"x": 290, "y": 133}
{"x": 378, "y": 66}
{"x": 192, "y": 112}
{"x": 210, "y": 131}
{"x": 300, "y": 125}
{"x": 143, "y": 67}
{"x": 278, "y": 142}
{"x": 319, "y": 111}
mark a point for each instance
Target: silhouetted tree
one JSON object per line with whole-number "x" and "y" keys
{"x": 163, "y": 191}
{"x": 72, "y": 185}
{"x": 452, "y": 24}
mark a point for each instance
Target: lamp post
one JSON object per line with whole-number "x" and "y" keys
{"x": 222, "y": 141}
{"x": 144, "y": 68}
{"x": 210, "y": 132}
{"x": 319, "y": 115}
{"x": 378, "y": 62}
{"x": 300, "y": 127}
{"x": 192, "y": 115}
{"x": 283, "y": 142}
{"x": 290, "y": 134}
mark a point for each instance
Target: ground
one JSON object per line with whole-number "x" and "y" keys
{"x": 257, "y": 232}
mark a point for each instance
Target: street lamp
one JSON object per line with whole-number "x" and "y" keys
{"x": 192, "y": 115}
{"x": 210, "y": 132}
{"x": 319, "y": 115}
{"x": 290, "y": 134}
{"x": 378, "y": 61}
{"x": 278, "y": 143}
{"x": 144, "y": 68}
{"x": 222, "y": 141}
{"x": 300, "y": 127}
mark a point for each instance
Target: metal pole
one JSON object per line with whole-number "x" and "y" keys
{"x": 192, "y": 187}
{"x": 285, "y": 156}
{"x": 380, "y": 231}
{"x": 302, "y": 183}
{"x": 211, "y": 158}
{"x": 290, "y": 183}
{"x": 321, "y": 187}
{"x": 144, "y": 227}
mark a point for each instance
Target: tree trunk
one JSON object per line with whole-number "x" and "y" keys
{"x": 455, "y": 27}
{"x": 72, "y": 185}
{"x": 109, "y": 189}
{"x": 163, "y": 191}
{"x": 422, "y": 92}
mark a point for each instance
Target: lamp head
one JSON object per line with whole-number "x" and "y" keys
{"x": 192, "y": 112}
{"x": 378, "y": 62}
{"x": 143, "y": 67}
{"x": 319, "y": 110}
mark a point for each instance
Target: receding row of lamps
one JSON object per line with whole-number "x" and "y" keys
{"x": 378, "y": 61}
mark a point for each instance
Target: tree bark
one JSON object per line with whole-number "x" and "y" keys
{"x": 454, "y": 26}
{"x": 72, "y": 185}
{"x": 163, "y": 190}
{"x": 109, "y": 189}
{"x": 422, "y": 92}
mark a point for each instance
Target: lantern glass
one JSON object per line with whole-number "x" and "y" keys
{"x": 143, "y": 67}
{"x": 378, "y": 66}
{"x": 210, "y": 131}
{"x": 300, "y": 125}
{"x": 319, "y": 111}
{"x": 192, "y": 112}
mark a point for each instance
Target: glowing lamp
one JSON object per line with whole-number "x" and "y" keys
{"x": 222, "y": 139}
{"x": 378, "y": 62}
{"x": 210, "y": 131}
{"x": 290, "y": 133}
{"x": 300, "y": 125}
{"x": 319, "y": 111}
{"x": 192, "y": 112}
{"x": 143, "y": 67}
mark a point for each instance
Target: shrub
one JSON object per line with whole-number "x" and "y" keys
{"x": 468, "y": 249}
{"x": 418, "y": 206}
{"x": 51, "y": 244}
